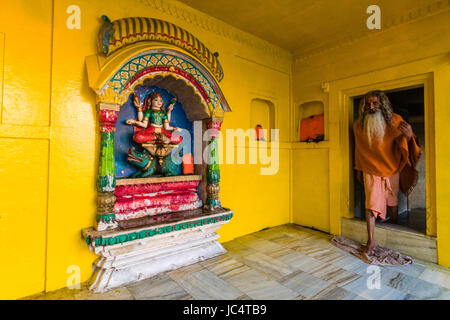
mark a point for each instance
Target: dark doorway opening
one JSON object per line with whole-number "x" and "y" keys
{"x": 409, "y": 104}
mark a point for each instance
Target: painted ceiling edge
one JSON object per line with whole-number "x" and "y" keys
{"x": 121, "y": 41}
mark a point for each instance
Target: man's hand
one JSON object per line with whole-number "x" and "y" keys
{"x": 406, "y": 129}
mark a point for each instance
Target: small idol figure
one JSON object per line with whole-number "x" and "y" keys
{"x": 155, "y": 121}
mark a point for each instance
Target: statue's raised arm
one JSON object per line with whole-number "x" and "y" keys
{"x": 167, "y": 125}
{"x": 140, "y": 121}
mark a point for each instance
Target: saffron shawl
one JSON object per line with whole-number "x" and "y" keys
{"x": 388, "y": 156}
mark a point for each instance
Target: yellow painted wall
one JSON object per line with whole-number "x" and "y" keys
{"x": 309, "y": 189}
{"x": 386, "y": 58}
{"x": 252, "y": 196}
{"x": 49, "y": 137}
{"x": 25, "y": 63}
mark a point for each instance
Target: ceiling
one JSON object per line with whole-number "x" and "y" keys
{"x": 301, "y": 26}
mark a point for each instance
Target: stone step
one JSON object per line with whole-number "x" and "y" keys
{"x": 400, "y": 238}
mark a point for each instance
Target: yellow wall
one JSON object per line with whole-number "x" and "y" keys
{"x": 25, "y": 63}
{"x": 49, "y": 137}
{"x": 407, "y": 54}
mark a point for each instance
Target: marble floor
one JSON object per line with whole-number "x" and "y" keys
{"x": 285, "y": 262}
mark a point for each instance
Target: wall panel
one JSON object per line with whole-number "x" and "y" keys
{"x": 23, "y": 214}
{"x": 311, "y": 188}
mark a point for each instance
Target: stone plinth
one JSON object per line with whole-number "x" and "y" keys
{"x": 135, "y": 254}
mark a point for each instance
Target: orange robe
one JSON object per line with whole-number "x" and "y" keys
{"x": 390, "y": 155}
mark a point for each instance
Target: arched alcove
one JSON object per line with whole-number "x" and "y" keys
{"x": 306, "y": 110}
{"x": 185, "y": 94}
{"x": 262, "y": 112}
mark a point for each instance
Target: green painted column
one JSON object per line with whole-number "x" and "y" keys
{"x": 213, "y": 171}
{"x": 106, "y": 181}
{"x": 106, "y": 172}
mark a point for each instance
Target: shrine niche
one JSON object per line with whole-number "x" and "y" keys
{"x": 157, "y": 208}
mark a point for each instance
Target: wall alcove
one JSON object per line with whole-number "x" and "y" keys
{"x": 306, "y": 110}
{"x": 262, "y": 113}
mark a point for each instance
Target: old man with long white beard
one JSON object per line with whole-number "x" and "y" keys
{"x": 386, "y": 154}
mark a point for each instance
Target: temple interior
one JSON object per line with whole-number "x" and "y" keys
{"x": 142, "y": 137}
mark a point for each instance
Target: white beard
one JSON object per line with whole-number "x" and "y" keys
{"x": 374, "y": 126}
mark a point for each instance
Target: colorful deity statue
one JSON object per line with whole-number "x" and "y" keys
{"x": 153, "y": 122}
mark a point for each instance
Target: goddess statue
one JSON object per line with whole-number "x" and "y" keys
{"x": 154, "y": 121}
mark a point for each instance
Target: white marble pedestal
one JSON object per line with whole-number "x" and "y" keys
{"x": 128, "y": 256}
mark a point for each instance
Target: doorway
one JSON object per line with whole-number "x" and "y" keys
{"x": 408, "y": 103}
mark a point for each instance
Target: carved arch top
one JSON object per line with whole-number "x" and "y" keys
{"x": 123, "y": 32}
{"x": 157, "y": 64}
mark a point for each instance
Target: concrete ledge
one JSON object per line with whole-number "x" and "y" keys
{"x": 403, "y": 239}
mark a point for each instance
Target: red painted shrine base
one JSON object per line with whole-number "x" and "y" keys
{"x": 147, "y": 197}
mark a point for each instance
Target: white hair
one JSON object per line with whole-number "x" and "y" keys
{"x": 374, "y": 126}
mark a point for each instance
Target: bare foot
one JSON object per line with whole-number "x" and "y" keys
{"x": 369, "y": 247}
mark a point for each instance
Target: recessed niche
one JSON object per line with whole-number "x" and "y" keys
{"x": 262, "y": 115}
{"x": 312, "y": 113}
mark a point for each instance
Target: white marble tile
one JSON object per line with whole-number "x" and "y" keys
{"x": 445, "y": 295}
{"x": 238, "y": 249}
{"x": 427, "y": 290}
{"x": 265, "y": 264}
{"x": 260, "y": 245}
{"x": 285, "y": 262}
{"x": 289, "y": 241}
{"x": 333, "y": 292}
{"x": 181, "y": 272}
{"x": 393, "y": 278}
{"x": 335, "y": 275}
{"x": 328, "y": 256}
{"x": 259, "y": 287}
{"x": 352, "y": 264}
{"x": 304, "y": 284}
{"x": 414, "y": 270}
{"x": 160, "y": 287}
{"x": 205, "y": 285}
{"x": 280, "y": 253}
{"x": 222, "y": 265}
{"x": 437, "y": 277}
{"x": 360, "y": 287}
{"x": 300, "y": 261}
{"x": 270, "y": 234}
